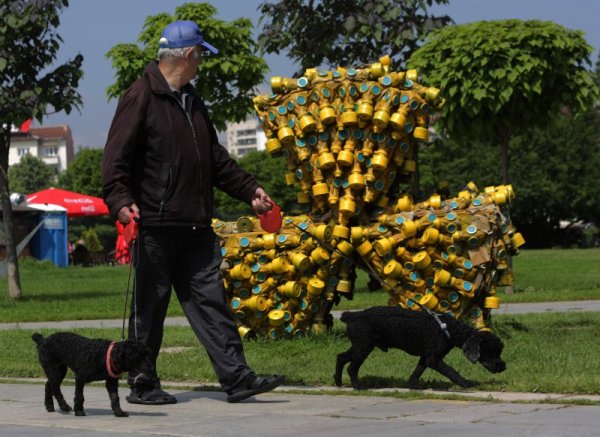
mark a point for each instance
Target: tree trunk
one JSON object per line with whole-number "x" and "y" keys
{"x": 416, "y": 176}
{"x": 14, "y": 280}
{"x": 504, "y": 135}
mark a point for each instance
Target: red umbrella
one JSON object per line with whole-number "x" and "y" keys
{"x": 77, "y": 204}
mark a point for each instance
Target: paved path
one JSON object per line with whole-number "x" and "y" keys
{"x": 506, "y": 308}
{"x": 202, "y": 413}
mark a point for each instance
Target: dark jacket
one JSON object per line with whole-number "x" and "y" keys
{"x": 166, "y": 159}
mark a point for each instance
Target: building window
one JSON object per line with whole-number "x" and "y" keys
{"x": 49, "y": 151}
{"x": 247, "y": 142}
{"x": 22, "y": 151}
{"x": 246, "y": 132}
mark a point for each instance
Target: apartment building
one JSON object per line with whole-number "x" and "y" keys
{"x": 245, "y": 137}
{"x": 52, "y": 144}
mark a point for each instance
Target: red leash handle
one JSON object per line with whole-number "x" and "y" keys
{"x": 130, "y": 232}
{"x": 271, "y": 221}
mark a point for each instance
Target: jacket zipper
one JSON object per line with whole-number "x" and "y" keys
{"x": 191, "y": 97}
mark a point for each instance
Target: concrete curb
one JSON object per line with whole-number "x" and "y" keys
{"x": 492, "y": 396}
{"x": 505, "y": 309}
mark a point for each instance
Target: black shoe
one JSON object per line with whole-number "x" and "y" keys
{"x": 254, "y": 385}
{"x": 151, "y": 396}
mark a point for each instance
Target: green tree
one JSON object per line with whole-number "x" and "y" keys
{"x": 30, "y": 85}
{"x": 91, "y": 240}
{"x": 342, "y": 32}
{"x": 31, "y": 174}
{"x": 227, "y": 82}
{"x": 501, "y": 78}
{"x": 555, "y": 173}
{"x": 270, "y": 173}
{"x": 84, "y": 174}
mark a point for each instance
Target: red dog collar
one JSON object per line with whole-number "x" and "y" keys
{"x": 109, "y": 363}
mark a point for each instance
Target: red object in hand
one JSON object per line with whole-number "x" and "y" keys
{"x": 270, "y": 221}
{"x": 130, "y": 233}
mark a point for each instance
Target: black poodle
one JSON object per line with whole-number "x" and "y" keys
{"x": 419, "y": 334}
{"x": 90, "y": 360}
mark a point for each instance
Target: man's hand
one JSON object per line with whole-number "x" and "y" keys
{"x": 261, "y": 202}
{"x": 127, "y": 212}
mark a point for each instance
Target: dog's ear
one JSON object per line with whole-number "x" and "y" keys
{"x": 472, "y": 348}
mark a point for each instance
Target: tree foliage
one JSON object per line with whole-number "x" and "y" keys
{"x": 30, "y": 85}
{"x": 226, "y": 81}
{"x": 331, "y": 33}
{"x": 29, "y": 44}
{"x": 270, "y": 173}
{"x": 342, "y": 32}
{"x": 555, "y": 172}
{"x": 84, "y": 174}
{"x": 31, "y": 174}
{"x": 504, "y": 77}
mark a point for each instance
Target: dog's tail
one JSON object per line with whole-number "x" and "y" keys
{"x": 38, "y": 338}
{"x": 348, "y": 315}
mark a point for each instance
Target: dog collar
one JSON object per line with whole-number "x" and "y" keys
{"x": 109, "y": 363}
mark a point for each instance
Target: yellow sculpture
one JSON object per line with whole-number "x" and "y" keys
{"x": 347, "y": 137}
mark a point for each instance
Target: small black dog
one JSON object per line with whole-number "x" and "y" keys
{"x": 419, "y": 334}
{"x": 90, "y": 360}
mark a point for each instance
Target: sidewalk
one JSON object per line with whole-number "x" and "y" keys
{"x": 506, "y": 308}
{"x": 205, "y": 413}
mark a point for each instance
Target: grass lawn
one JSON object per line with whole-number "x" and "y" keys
{"x": 544, "y": 353}
{"x": 79, "y": 293}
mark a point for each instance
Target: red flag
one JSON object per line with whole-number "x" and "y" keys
{"x": 26, "y": 125}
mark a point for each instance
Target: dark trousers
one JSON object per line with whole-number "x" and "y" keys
{"x": 189, "y": 261}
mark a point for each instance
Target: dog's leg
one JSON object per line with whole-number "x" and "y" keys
{"x": 48, "y": 399}
{"x": 359, "y": 355}
{"x": 342, "y": 359}
{"x": 78, "y": 402}
{"x": 55, "y": 378}
{"x": 452, "y": 374}
{"x": 112, "y": 387}
{"x": 50, "y": 373}
{"x": 413, "y": 381}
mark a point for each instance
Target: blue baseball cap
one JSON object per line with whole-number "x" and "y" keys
{"x": 183, "y": 34}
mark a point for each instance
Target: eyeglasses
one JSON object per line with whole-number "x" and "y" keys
{"x": 198, "y": 54}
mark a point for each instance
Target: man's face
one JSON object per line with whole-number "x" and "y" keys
{"x": 194, "y": 59}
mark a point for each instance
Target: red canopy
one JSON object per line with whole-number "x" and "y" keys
{"x": 77, "y": 204}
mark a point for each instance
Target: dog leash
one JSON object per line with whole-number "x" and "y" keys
{"x": 130, "y": 235}
{"x": 369, "y": 270}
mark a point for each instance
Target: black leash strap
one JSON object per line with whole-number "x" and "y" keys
{"x": 132, "y": 268}
{"x": 126, "y": 299}
{"x": 369, "y": 270}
